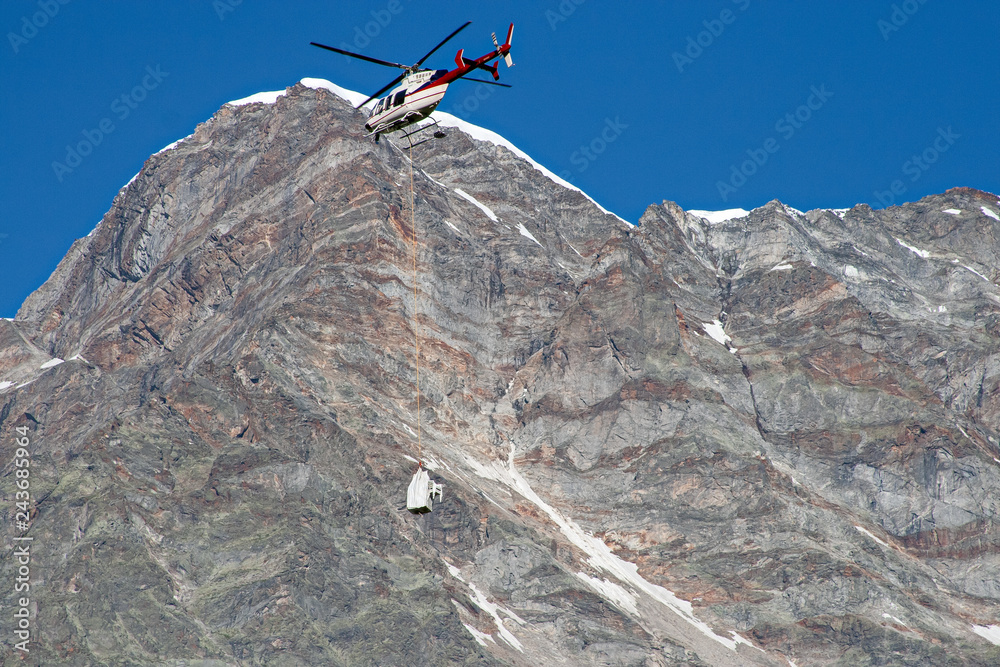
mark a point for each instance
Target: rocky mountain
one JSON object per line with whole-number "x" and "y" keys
{"x": 767, "y": 440}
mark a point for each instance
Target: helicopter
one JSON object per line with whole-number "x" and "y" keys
{"x": 422, "y": 89}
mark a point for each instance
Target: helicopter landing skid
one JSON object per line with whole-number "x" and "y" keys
{"x": 438, "y": 134}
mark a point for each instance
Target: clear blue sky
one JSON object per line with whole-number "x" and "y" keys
{"x": 635, "y": 102}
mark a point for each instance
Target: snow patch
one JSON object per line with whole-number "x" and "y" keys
{"x": 865, "y": 532}
{"x": 429, "y": 464}
{"x": 170, "y": 145}
{"x": 482, "y": 207}
{"x": 601, "y": 556}
{"x": 898, "y": 622}
{"x": 451, "y": 225}
{"x": 269, "y": 97}
{"x": 923, "y": 253}
{"x": 613, "y": 592}
{"x": 493, "y": 610}
{"x": 990, "y": 213}
{"x": 952, "y": 211}
{"x": 839, "y": 212}
{"x": 782, "y": 267}
{"x": 433, "y": 180}
{"x": 483, "y": 494}
{"x": 51, "y": 363}
{"x": 482, "y": 134}
{"x": 322, "y": 84}
{"x": 480, "y": 637}
{"x": 990, "y": 633}
{"x": 715, "y": 217}
{"x": 977, "y": 273}
{"x": 716, "y": 331}
{"x": 524, "y": 232}
{"x": 5, "y": 384}
{"x": 851, "y": 271}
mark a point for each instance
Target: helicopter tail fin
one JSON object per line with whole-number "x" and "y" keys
{"x": 506, "y": 47}
{"x": 506, "y": 57}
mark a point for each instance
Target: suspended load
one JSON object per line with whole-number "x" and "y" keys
{"x": 420, "y": 494}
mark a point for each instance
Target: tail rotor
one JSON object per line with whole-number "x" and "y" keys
{"x": 505, "y": 49}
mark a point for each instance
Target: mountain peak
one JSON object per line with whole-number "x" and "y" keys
{"x": 758, "y": 438}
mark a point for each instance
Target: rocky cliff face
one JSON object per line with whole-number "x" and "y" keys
{"x": 771, "y": 440}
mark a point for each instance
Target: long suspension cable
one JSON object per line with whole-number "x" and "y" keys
{"x": 416, "y": 325}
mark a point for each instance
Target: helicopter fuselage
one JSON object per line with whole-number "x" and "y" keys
{"x": 413, "y": 101}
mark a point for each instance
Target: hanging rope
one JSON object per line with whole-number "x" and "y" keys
{"x": 416, "y": 325}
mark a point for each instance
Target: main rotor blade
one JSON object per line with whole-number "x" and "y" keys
{"x": 387, "y": 87}
{"x": 421, "y": 61}
{"x": 492, "y": 83}
{"x": 359, "y": 56}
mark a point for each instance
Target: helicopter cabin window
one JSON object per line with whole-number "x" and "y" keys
{"x": 398, "y": 99}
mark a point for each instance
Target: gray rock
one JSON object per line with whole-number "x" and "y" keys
{"x": 219, "y": 475}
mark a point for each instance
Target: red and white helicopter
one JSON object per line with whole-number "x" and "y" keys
{"x": 422, "y": 89}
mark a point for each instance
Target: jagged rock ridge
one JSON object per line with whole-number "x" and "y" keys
{"x": 769, "y": 440}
